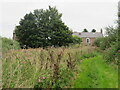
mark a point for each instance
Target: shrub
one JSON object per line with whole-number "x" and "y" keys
{"x": 112, "y": 54}
{"x": 103, "y": 43}
{"x": 8, "y": 44}
{"x": 97, "y": 42}
{"x": 76, "y": 39}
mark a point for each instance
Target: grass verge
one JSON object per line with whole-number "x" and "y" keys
{"x": 95, "y": 73}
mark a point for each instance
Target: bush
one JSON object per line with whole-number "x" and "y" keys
{"x": 112, "y": 55}
{"x": 8, "y": 44}
{"x": 76, "y": 39}
{"x": 103, "y": 43}
{"x": 97, "y": 42}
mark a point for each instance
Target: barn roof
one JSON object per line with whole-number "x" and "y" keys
{"x": 88, "y": 34}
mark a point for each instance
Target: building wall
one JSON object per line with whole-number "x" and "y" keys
{"x": 14, "y": 36}
{"x": 91, "y": 41}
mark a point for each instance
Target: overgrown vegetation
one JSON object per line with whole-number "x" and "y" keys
{"x": 112, "y": 55}
{"x": 54, "y": 66}
{"x": 8, "y": 44}
{"x": 102, "y": 43}
{"x": 76, "y": 39}
{"x": 111, "y": 44}
{"x": 42, "y": 68}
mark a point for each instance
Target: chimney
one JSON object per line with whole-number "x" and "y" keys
{"x": 79, "y": 33}
{"x": 14, "y": 36}
{"x": 101, "y": 30}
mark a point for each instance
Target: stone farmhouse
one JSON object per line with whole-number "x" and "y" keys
{"x": 88, "y": 37}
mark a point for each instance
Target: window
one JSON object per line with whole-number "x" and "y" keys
{"x": 87, "y": 40}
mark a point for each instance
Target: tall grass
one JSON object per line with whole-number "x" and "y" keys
{"x": 5, "y": 45}
{"x": 41, "y": 68}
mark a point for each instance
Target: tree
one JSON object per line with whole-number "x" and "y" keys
{"x": 76, "y": 39}
{"x": 93, "y": 30}
{"x": 112, "y": 33}
{"x": 111, "y": 43}
{"x": 43, "y": 28}
{"x": 85, "y": 30}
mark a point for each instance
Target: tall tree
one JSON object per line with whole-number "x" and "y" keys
{"x": 76, "y": 39}
{"x": 43, "y": 28}
{"x": 93, "y": 30}
{"x": 85, "y": 30}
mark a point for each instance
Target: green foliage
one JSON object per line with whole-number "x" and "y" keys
{"x": 76, "y": 39}
{"x": 25, "y": 68}
{"x": 111, "y": 44}
{"x": 38, "y": 68}
{"x": 85, "y": 30}
{"x": 97, "y": 42}
{"x": 106, "y": 42}
{"x": 43, "y": 28}
{"x": 112, "y": 33}
{"x": 93, "y": 30}
{"x": 103, "y": 43}
{"x": 112, "y": 55}
{"x": 8, "y": 44}
{"x": 63, "y": 80}
{"x": 89, "y": 55}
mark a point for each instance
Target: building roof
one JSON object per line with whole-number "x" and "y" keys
{"x": 88, "y": 34}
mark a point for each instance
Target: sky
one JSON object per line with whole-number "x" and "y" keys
{"x": 76, "y": 14}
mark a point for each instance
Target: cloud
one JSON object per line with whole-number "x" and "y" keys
{"x": 75, "y": 15}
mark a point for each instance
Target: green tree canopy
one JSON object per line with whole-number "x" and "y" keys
{"x": 85, "y": 30}
{"x": 93, "y": 30}
{"x": 76, "y": 39}
{"x": 43, "y": 28}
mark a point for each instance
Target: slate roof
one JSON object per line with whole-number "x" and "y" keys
{"x": 88, "y": 34}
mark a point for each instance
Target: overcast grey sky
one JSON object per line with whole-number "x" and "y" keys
{"x": 77, "y": 14}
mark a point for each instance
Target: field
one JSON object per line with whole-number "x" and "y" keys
{"x": 56, "y": 68}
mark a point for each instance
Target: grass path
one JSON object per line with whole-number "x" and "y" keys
{"x": 95, "y": 73}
